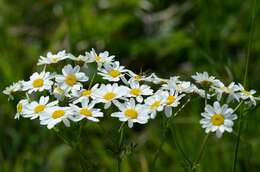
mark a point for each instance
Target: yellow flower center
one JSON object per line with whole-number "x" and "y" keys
{"x": 38, "y": 83}
{"x": 86, "y": 112}
{"x": 19, "y": 107}
{"x": 155, "y": 105}
{"x": 54, "y": 59}
{"x": 246, "y": 93}
{"x": 98, "y": 59}
{"x": 71, "y": 79}
{"x": 136, "y": 91}
{"x": 57, "y": 114}
{"x": 109, "y": 96}
{"x": 114, "y": 73}
{"x": 86, "y": 93}
{"x": 170, "y": 99}
{"x": 39, "y": 108}
{"x": 131, "y": 113}
{"x": 217, "y": 119}
{"x": 138, "y": 77}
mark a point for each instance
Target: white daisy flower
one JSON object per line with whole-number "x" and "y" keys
{"x": 86, "y": 110}
{"x": 218, "y": 119}
{"x": 172, "y": 100}
{"x": 138, "y": 91}
{"x": 20, "y": 108}
{"x": 56, "y": 115}
{"x": 247, "y": 95}
{"x": 84, "y": 93}
{"x": 230, "y": 90}
{"x": 100, "y": 58}
{"x": 156, "y": 102}
{"x": 71, "y": 78}
{"x": 171, "y": 83}
{"x": 107, "y": 93}
{"x": 12, "y": 89}
{"x": 53, "y": 58}
{"x": 38, "y": 82}
{"x": 35, "y": 109}
{"x": 204, "y": 79}
{"x": 132, "y": 113}
{"x": 60, "y": 93}
{"x": 112, "y": 71}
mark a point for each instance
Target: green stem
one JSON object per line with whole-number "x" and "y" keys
{"x": 251, "y": 35}
{"x": 120, "y": 147}
{"x": 201, "y": 152}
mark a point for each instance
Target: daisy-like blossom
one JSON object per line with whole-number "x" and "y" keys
{"x": 204, "y": 79}
{"x": 218, "y": 119}
{"x": 71, "y": 78}
{"x": 183, "y": 87}
{"x": 112, "y": 71}
{"x": 12, "y": 89}
{"x": 55, "y": 115}
{"x": 86, "y": 111}
{"x": 38, "y": 82}
{"x": 247, "y": 95}
{"x": 230, "y": 90}
{"x": 20, "y": 108}
{"x": 53, "y": 58}
{"x": 35, "y": 109}
{"x": 78, "y": 96}
{"x": 200, "y": 92}
{"x": 100, "y": 58}
{"x": 172, "y": 100}
{"x": 171, "y": 83}
{"x": 60, "y": 93}
{"x": 132, "y": 113}
{"x": 156, "y": 103}
{"x": 138, "y": 91}
{"x": 107, "y": 93}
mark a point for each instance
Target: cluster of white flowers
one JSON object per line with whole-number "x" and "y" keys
{"x": 71, "y": 94}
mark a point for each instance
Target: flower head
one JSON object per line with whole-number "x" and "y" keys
{"x": 218, "y": 119}
{"x": 38, "y": 82}
{"x": 53, "y": 58}
{"x": 132, "y": 113}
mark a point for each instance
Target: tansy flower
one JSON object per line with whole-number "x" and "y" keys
{"x": 107, "y": 93}
{"x": 86, "y": 110}
{"x": 38, "y": 82}
{"x": 136, "y": 90}
{"x": 35, "y": 109}
{"x": 53, "y": 58}
{"x": 247, "y": 95}
{"x": 172, "y": 100}
{"x": 20, "y": 108}
{"x": 100, "y": 58}
{"x": 204, "y": 79}
{"x": 112, "y": 71}
{"x": 71, "y": 78}
{"x": 56, "y": 115}
{"x": 155, "y": 103}
{"x": 12, "y": 89}
{"x": 218, "y": 119}
{"x": 230, "y": 90}
{"x": 132, "y": 113}
{"x": 78, "y": 96}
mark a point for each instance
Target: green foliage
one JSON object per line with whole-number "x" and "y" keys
{"x": 164, "y": 36}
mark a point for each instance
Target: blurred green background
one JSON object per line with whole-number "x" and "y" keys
{"x": 169, "y": 37}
